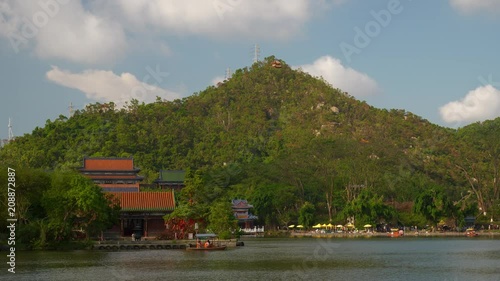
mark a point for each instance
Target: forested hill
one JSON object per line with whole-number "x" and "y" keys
{"x": 259, "y": 113}
{"x": 282, "y": 127}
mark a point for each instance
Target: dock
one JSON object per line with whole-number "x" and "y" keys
{"x": 154, "y": 244}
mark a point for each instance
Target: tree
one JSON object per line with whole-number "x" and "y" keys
{"x": 479, "y": 162}
{"x": 306, "y": 214}
{"x": 275, "y": 204}
{"x": 30, "y": 185}
{"x": 75, "y": 203}
{"x": 433, "y": 204}
{"x": 368, "y": 208}
{"x": 221, "y": 219}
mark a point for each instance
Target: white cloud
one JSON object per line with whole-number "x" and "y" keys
{"x": 471, "y": 6}
{"x": 96, "y": 32}
{"x": 106, "y": 86}
{"x": 217, "y": 80}
{"x": 478, "y": 105}
{"x": 347, "y": 79}
{"x": 277, "y": 19}
{"x": 61, "y": 29}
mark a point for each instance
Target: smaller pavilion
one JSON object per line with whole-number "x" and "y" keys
{"x": 241, "y": 210}
{"x": 171, "y": 179}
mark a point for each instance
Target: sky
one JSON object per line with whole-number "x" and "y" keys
{"x": 439, "y": 59}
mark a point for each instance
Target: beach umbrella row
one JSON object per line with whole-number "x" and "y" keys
{"x": 319, "y": 225}
{"x": 349, "y": 225}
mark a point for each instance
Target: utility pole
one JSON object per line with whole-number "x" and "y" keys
{"x": 71, "y": 109}
{"x": 256, "y": 53}
{"x": 11, "y": 134}
{"x": 228, "y": 74}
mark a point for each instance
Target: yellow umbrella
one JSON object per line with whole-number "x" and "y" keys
{"x": 323, "y": 225}
{"x": 291, "y": 226}
{"x": 339, "y": 226}
{"x": 329, "y": 225}
{"x": 300, "y": 226}
{"x": 317, "y": 226}
{"x": 367, "y": 225}
{"x": 350, "y": 225}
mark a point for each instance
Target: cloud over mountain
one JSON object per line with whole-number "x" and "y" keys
{"x": 106, "y": 86}
{"x": 478, "y": 105}
{"x": 356, "y": 83}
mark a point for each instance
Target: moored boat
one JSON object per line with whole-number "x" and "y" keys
{"x": 471, "y": 232}
{"x": 213, "y": 248}
{"x": 395, "y": 232}
{"x": 209, "y": 245}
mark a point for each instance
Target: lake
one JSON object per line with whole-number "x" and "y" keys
{"x": 277, "y": 259}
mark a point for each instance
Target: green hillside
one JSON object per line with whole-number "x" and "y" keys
{"x": 298, "y": 149}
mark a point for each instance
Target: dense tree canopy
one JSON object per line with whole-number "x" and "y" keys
{"x": 55, "y": 207}
{"x": 279, "y": 138}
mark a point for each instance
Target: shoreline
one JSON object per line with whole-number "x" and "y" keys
{"x": 234, "y": 242}
{"x": 387, "y": 234}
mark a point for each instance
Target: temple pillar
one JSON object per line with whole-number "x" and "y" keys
{"x": 122, "y": 233}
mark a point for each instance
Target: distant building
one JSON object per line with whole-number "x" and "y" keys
{"x": 470, "y": 221}
{"x": 112, "y": 174}
{"x": 241, "y": 210}
{"x": 171, "y": 179}
{"x": 141, "y": 213}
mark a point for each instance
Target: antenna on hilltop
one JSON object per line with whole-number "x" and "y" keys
{"x": 71, "y": 109}
{"x": 229, "y": 74}
{"x": 11, "y": 134}
{"x": 256, "y": 53}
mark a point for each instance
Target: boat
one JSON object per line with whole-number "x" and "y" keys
{"x": 212, "y": 248}
{"x": 211, "y": 243}
{"x": 395, "y": 232}
{"x": 471, "y": 232}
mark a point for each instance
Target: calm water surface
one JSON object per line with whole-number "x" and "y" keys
{"x": 278, "y": 259}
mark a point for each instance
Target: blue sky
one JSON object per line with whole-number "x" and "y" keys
{"x": 436, "y": 58}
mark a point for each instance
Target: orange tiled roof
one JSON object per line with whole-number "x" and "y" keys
{"x": 146, "y": 201}
{"x": 110, "y": 164}
{"x": 119, "y": 185}
{"x": 118, "y": 177}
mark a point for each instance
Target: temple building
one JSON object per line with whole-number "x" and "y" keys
{"x": 171, "y": 179}
{"x": 241, "y": 210}
{"x": 112, "y": 174}
{"x": 141, "y": 213}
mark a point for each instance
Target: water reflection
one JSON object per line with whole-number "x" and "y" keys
{"x": 278, "y": 259}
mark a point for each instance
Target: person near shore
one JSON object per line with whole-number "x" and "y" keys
{"x": 207, "y": 244}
